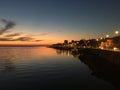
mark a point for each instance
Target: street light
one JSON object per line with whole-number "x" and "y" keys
{"x": 101, "y": 38}
{"x": 116, "y": 32}
{"x": 107, "y": 36}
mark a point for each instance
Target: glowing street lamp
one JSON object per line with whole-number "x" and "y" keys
{"x": 97, "y": 39}
{"x": 107, "y": 36}
{"x": 116, "y": 32}
{"x": 101, "y": 38}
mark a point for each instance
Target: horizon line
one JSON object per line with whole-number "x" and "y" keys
{"x": 23, "y": 45}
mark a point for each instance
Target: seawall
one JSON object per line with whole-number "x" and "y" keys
{"x": 112, "y": 56}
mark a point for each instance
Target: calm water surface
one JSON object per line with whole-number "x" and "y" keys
{"x": 41, "y": 67}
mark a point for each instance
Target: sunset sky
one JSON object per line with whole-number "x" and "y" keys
{"x": 53, "y": 21}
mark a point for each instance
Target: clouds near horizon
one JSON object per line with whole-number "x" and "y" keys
{"x": 14, "y": 34}
{"x": 20, "y": 39}
{"x": 7, "y": 35}
{"x": 6, "y": 26}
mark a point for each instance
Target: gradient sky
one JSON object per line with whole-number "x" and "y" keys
{"x": 52, "y": 21}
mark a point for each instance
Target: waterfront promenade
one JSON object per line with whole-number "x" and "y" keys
{"x": 107, "y": 54}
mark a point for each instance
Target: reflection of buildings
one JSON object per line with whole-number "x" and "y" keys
{"x": 68, "y": 53}
{"x": 64, "y": 52}
{"x": 103, "y": 69}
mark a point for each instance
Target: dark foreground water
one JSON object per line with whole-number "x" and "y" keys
{"x": 47, "y": 68}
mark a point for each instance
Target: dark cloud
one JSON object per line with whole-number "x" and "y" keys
{"x": 6, "y": 39}
{"x": 14, "y": 34}
{"x": 7, "y": 25}
{"x": 25, "y": 39}
{"x": 20, "y": 39}
{"x": 38, "y": 40}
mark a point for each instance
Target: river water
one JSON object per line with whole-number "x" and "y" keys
{"x": 47, "y": 68}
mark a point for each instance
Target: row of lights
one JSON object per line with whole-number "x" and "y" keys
{"x": 116, "y": 33}
{"x": 107, "y": 35}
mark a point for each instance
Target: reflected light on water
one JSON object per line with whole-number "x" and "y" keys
{"x": 21, "y": 53}
{"x": 46, "y": 67}
{"x": 15, "y": 57}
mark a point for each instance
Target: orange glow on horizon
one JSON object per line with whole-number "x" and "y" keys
{"x": 44, "y": 38}
{"x": 30, "y": 43}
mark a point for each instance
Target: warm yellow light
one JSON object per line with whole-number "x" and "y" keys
{"x": 116, "y": 32}
{"x": 115, "y": 48}
{"x": 97, "y": 39}
{"x": 107, "y": 36}
{"x": 101, "y": 37}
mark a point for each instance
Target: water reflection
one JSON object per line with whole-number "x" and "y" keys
{"x": 103, "y": 69}
{"x": 9, "y": 66}
{"x": 64, "y": 52}
{"x": 6, "y": 62}
{"x": 67, "y": 53}
{"x": 41, "y": 67}
{"x": 12, "y": 57}
{"x": 100, "y": 68}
